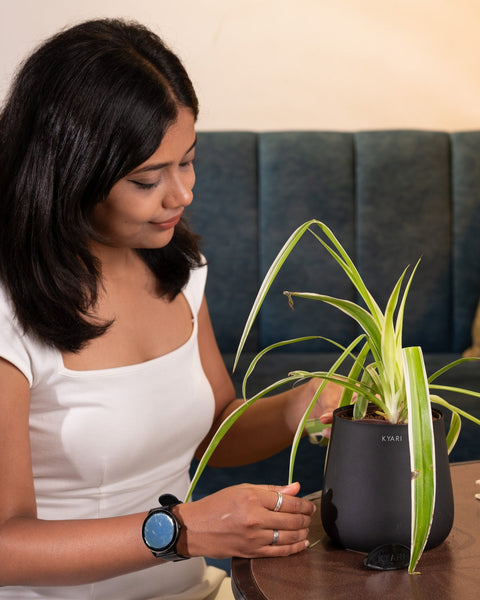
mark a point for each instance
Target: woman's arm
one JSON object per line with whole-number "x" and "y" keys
{"x": 37, "y": 552}
{"x": 267, "y": 426}
{"x": 237, "y": 521}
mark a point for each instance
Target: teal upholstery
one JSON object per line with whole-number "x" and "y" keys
{"x": 391, "y": 197}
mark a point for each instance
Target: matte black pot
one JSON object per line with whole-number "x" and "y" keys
{"x": 366, "y": 499}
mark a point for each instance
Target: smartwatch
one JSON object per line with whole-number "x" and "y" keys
{"x": 161, "y": 530}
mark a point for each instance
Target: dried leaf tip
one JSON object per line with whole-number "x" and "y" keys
{"x": 290, "y": 299}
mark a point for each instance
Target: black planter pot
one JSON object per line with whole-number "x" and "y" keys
{"x": 366, "y": 499}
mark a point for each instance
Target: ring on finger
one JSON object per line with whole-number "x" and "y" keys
{"x": 278, "y": 505}
{"x": 275, "y": 537}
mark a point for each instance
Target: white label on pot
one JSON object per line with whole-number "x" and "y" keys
{"x": 392, "y": 438}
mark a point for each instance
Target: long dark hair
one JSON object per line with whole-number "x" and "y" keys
{"x": 88, "y": 106}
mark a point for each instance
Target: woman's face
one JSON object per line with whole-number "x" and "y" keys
{"x": 142, "y": 209}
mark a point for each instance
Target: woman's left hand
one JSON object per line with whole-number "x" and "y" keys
{"x": 246, "y": 520}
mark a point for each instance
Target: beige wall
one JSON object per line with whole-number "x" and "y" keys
{"x": 297, "y": 64}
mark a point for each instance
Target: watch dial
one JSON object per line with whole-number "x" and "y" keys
{"x": 159, "y": 530}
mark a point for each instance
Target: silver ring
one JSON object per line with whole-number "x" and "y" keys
{"x": 278, "y": 505}
{"x": 275, "y": 537}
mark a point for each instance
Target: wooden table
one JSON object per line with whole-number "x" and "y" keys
{"x": 450, "y": 571}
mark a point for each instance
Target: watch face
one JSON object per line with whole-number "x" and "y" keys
{"x": 159, "y": 531}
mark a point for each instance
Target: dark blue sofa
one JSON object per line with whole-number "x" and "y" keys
{"x": 391, "y": 197}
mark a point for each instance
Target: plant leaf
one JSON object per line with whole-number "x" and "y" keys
{"x": 359, "y": 314}
{"x": 446, "y": 368}
{"x": 422, "y": 451}
{"x": 401, "y": 308}
{"x": 344, "y": 260}
{"x": 301, "y": 426}
{"x": 391, "y": 376}
{"x": 226, "y": 425}
{"x": 255, "y": 360}
{"x": 354, "y": 374}
{"x": 315, "y": 427}
{"x": 459, "y": 411}
{"x": 268, "y": 280}
{"x": 453, "y": 431}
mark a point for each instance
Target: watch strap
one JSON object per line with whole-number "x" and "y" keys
{"x": 168, "y": 500}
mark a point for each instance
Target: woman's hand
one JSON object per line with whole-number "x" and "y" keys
{"x": 241, "y": 521}
{"x": 324, "y": 407}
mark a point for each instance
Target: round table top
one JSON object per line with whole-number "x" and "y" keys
{"x": 451, "y": 570}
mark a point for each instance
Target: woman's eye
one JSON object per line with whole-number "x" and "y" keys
{"x": 187, "y": 163}
{"x": 144, "y": 186}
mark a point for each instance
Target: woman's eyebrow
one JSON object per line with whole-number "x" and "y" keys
{"x": 156, "y": 166}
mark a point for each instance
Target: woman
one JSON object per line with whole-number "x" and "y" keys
{"x": 111, "y": 376}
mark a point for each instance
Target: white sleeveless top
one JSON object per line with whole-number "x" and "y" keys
{"x": 108, "y": 442}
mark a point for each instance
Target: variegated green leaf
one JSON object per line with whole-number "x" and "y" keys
{"x": 262, "y": 353}
{"x": 451, "y": 407}
{"x": 268, "y": 280}
{"x": 344, "y": 260}
{"x": 390, "y": 374}
{"x": 226, "y": 425}
{"x": 422, "y": 452}
{"x": 359, "y": 314}
{"x": 301, "y": 426}
{"x": 451, "y": 365}
{"x": 453, "y": 431}
{"x": 401, "y": 309}
{"x": 354, "y": 375}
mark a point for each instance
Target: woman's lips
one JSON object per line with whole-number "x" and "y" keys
{"x": 167, "y": 224}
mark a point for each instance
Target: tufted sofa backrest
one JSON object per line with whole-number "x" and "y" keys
{"x": 390, "y": 197}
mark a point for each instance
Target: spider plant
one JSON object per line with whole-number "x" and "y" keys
{"x": 384, "y": 373}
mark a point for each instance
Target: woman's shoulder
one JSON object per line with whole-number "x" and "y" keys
{"x": 195, "y": 287}
{"x": 6, "y": 306}
{"x": 14, "y": 343}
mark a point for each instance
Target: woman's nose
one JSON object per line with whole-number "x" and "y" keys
{"x": 180, "y": 192}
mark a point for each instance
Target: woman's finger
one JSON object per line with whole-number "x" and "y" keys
{"x": 284, "y": 499}
{"x": 282, "y": 537}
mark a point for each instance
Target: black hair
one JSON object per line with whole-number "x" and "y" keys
{"x": 88, "y": 106}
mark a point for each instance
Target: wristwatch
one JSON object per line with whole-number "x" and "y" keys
{"x": 161, "y": 530}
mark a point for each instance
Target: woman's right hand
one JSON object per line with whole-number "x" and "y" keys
{"x": 241, "y": 520}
